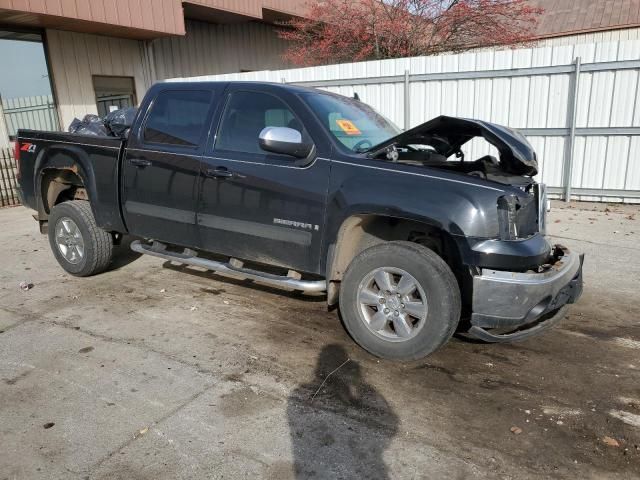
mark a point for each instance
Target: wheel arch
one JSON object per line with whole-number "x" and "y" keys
{"x": 62, "y": 168}
{"x": 60, "y": 184}
{"x": 364, "y": 230}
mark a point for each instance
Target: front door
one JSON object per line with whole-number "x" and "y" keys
{"x": 256, "y": 205}
{"x": 162, "y": 166}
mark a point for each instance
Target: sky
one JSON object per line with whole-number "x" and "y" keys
{"x": 23, "y": 70}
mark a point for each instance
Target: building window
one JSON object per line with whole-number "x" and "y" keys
{"x": 113, "y": 93}
{"x": 26, "y": 99}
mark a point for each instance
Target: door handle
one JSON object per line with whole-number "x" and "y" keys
{"x": 140, "y": 162}
{"x": 219, "y": 172}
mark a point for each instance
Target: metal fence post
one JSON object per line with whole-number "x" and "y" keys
{"x": 572, "y": 110}
{"x": 53, "y": 114}
{"x": 407, "y": 111}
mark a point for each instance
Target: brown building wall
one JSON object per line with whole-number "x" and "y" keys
{"x": 253, "y": 8}
{"x": 135, "y": 18}
{"x": 141, "y": 19}
{"x": 298, "y": 7}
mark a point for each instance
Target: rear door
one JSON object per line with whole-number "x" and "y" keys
{"x": 162, "y": 165}
{"x": 257, "y": 205}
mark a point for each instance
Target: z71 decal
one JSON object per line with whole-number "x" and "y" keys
{"x": 28, "y": 147}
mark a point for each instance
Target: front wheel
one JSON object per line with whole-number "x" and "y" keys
{"x": 80, "y": 246}
{"x": 400, "y": 300}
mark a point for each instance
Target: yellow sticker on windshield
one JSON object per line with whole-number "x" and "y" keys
{"x": 348, "y": 127}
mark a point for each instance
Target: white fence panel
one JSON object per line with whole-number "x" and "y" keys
{"x": 35, "y": 113}
{"x": 532, "y": 89}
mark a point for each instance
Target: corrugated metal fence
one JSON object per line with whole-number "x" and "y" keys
{"x": 579, "y": 105}
{"x": 8, "y": 185}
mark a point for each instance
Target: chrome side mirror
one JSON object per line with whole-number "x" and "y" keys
{"x": 284, "y": 140}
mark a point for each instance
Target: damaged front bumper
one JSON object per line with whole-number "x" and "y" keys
{"x": 510, "y": 306}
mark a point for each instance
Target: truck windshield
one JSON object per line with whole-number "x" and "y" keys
{"x": 355, "y": 124}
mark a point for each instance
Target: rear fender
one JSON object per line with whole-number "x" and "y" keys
{"x": 64, "y": 157}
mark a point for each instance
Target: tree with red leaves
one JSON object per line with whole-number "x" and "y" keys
{"x": 336, "y": 31}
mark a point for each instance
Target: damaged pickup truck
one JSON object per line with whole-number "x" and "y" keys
{"x": 315, "y": 192}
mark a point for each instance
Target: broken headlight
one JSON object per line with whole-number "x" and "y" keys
{"x": 544, "y": 205}
{"x": 507, "y": 221}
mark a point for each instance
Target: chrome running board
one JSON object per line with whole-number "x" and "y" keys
{"x": 233, "y": 267}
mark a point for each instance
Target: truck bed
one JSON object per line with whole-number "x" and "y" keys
{"x": 95, "y": 159}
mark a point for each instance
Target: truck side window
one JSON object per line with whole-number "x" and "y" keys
{"x": 246, "y": 114}
{"x": 178, "y": 117}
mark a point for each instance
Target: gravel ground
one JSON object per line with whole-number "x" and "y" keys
{"x": 150, "y": 371}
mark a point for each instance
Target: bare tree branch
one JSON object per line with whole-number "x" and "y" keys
{"x": 336, "y": 31}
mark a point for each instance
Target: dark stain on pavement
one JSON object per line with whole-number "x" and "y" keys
{"x": 17, "y": 378}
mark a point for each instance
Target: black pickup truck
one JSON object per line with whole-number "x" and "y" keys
{"x": 315, "y": 192}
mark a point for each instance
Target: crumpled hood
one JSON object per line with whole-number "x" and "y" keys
{"x": 517, "y": 156}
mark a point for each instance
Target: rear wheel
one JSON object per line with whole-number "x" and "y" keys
{"x": 400, "y": 300}
{"x": 80, "y": 246}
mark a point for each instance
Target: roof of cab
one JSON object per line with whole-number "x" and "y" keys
{"x": 194, "y": 84}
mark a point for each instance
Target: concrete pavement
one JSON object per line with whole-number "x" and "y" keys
{"x": 149, "y": 372}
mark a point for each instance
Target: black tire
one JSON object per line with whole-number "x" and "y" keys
{"x": 98, "y": 244}
{"x": 433, "y": 276}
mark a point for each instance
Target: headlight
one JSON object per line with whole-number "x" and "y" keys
{"x": 507, "y": 207}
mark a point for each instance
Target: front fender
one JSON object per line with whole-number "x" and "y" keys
{"x": 454, "y": 206}
{"x": 450, "y": 203}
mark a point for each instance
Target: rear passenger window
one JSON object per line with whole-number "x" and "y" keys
{"x": 246, "y": 114}
{"x": 177, "y": 118}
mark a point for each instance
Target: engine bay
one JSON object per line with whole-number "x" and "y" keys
{"x": 487, "y": 167}
{"x": 438, "y": 144}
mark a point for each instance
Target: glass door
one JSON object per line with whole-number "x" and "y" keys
{"x": 26, "y": 99}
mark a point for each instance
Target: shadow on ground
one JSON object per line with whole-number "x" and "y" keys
{"x": 123, "y": 255}
{"x": 340, "y": 425}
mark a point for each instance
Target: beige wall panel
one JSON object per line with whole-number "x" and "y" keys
{"x": 76, "y": 57}
{"x": 211, "y": 49}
